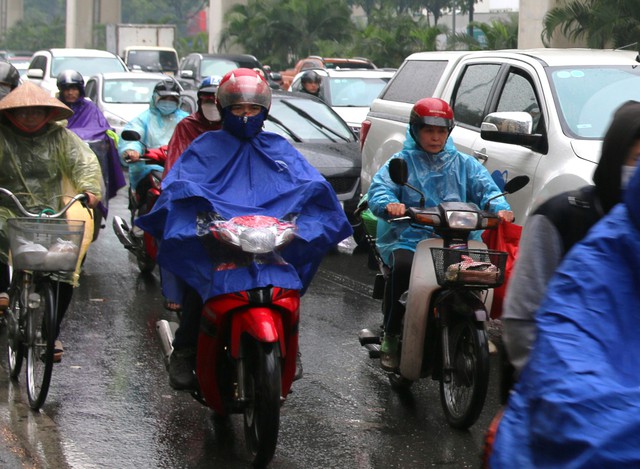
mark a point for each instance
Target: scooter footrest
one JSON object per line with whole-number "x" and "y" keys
{"x": 367, "y": 336}
{"x": 374, "y": 350}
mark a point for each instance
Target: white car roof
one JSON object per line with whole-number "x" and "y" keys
{"x": 70, "y": 52}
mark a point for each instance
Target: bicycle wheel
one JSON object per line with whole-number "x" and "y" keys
{"x": 41, "y": 330}
{"x": 464, "y": 388}
{"x": 262, "y": 413}
{"x": 15, "y": 344}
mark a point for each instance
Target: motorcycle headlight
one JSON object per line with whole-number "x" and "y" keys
{"x": 258, "y": 241}
{"x": 462, "y": 220}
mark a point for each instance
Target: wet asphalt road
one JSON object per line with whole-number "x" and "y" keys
{"x": 110, "y": 405}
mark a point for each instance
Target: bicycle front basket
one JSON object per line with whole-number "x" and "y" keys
{"x": 469, "y": 267}
{"x": 45, "y": 244}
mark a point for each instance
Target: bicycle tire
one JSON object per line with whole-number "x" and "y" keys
{"x": 15, "y": 344}
{"x": 41, "y": 331}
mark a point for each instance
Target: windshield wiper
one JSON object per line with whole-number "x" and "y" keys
{"x": 279, "y": 123}
{"x": 317, "y": 123}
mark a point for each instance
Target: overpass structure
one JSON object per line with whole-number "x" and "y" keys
{"x": 82, "y": 15}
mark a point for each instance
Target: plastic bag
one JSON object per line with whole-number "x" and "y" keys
{"x": 504, "y": 238}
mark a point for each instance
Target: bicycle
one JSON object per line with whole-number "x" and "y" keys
{"x": 43, "y": 247}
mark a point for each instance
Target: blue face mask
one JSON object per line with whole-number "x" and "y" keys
{"x": 243, "y": 127}
{"x": 167, "y": 106}
{"x": 626, "y": 174}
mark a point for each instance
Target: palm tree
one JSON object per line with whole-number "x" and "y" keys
{"x": 499, "y": 34}
{"x": 603, "y": 23}
{"x": 281, "y": 31}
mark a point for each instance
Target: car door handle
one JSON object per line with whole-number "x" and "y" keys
{"x": 480, "y": 156}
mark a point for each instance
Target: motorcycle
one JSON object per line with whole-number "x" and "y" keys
{"x": 447, "y": 303}
{"x": 144, "y": 247}
{"x": 248, "y": 340}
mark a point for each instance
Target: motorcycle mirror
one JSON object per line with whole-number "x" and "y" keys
{"x": 515, "y": 184}
{"x": 131, "y": 135}
{"x": 398, "y": 171}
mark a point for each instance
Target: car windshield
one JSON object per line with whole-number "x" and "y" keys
{"x": 218, "y": 67}
{"x": 86, "y": 66}
{"x": 306, "y": 120}
{"x": 152, "y": 60}
{"x": 355, "y": 91}
{"x": 128, "y": 91}
{"x": 587, "y": 96}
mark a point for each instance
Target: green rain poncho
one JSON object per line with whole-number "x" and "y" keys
{"x": 42, "y": 168}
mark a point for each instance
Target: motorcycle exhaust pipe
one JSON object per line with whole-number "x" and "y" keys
{"x": 166, "y": 331}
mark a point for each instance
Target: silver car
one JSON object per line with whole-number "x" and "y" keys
{"x": 123, "y": 96}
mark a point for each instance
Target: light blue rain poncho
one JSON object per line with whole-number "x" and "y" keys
{"x": 577, "y": 402}
{"x": 155, "y": 130}
{"x": 448, "y": 176}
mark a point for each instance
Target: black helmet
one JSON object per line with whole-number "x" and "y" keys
{"x": 9, "y": 75}
{"x": 67, "y": 78}
{"x": 167, "y": 88}
{"x": 310, "y": 77}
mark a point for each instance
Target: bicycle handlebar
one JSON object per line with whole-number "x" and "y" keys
{"x": 26, "y": 213}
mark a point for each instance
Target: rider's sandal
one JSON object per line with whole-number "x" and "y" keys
{"x": 4, "y": 302}
{"x": 58, "y": 351}
{"x": 172, "y": 306}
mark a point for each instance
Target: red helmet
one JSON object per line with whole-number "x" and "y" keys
{"x": 431, "y": 111}
{"x": 244, "y": 86}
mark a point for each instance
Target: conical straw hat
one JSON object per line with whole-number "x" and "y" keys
{"x": 29, "y": 94}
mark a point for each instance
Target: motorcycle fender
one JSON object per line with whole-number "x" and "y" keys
{"x": 264, "y": 324}
{"x": 422, "y": 286}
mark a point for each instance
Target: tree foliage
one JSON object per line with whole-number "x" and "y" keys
{"x": 603, "y": 23}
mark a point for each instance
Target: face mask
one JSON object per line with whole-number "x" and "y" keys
{"x": 167, "y": 106}
{"x": 626, "y": 174}
{"x": 210, "y": 112}
{"x": 243, "y": 127}
{"x": 4, "y": 90}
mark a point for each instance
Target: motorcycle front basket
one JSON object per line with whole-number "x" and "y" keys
{"x": 45, "y": 244}
{"x": 469, "y": 267}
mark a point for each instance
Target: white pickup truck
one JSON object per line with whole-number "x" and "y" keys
{"x": 539, "y": 112}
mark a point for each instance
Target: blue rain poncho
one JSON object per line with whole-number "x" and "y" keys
{"x": 577, "y": 403}
{"x": 448, "y": 176}
{"x": 265, "y": 175}
{"x": 155, "y": 130}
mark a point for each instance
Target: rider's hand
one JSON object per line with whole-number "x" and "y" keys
{"x": 506, "y": 215}
{"x": 131, "y": 155}
{"x": 396, "y": 209}
{"x": 92, "y": 200}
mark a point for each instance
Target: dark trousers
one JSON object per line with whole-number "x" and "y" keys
{"x": 397, "y": 284}
{"x": 187, "y": 333}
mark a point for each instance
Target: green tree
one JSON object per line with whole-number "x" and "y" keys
{"x": 498, "y": 34}
{"x": 281, "y": 32}
{"x": 603, "y": 23}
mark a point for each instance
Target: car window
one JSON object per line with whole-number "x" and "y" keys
{"x": 587, "y": 96}
{"x": 218, "y": 67}
{"x": 519, "y": 95}
{"x": 128, "y": 91}
{"x": 153, "y": 60}
{"x": 86, "y": 66}
{"x": 471, "y": 95}
{"x": 418, "y": 80}
{"x": 299, "y": 119}
{"x": 91, "y": 91}
{"x": 39, "y": 62}
{"x": 359, "y": 92}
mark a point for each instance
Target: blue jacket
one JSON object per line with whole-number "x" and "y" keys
{"x": 155, "y": 130}
{"x": 263, "y": 176}
{"x": 577, "y": 403}
{"x": 448, "y": 176}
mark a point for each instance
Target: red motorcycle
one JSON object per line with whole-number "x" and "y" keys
{"x": 141, "y": 201}
{"x": 246, "y": 356}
